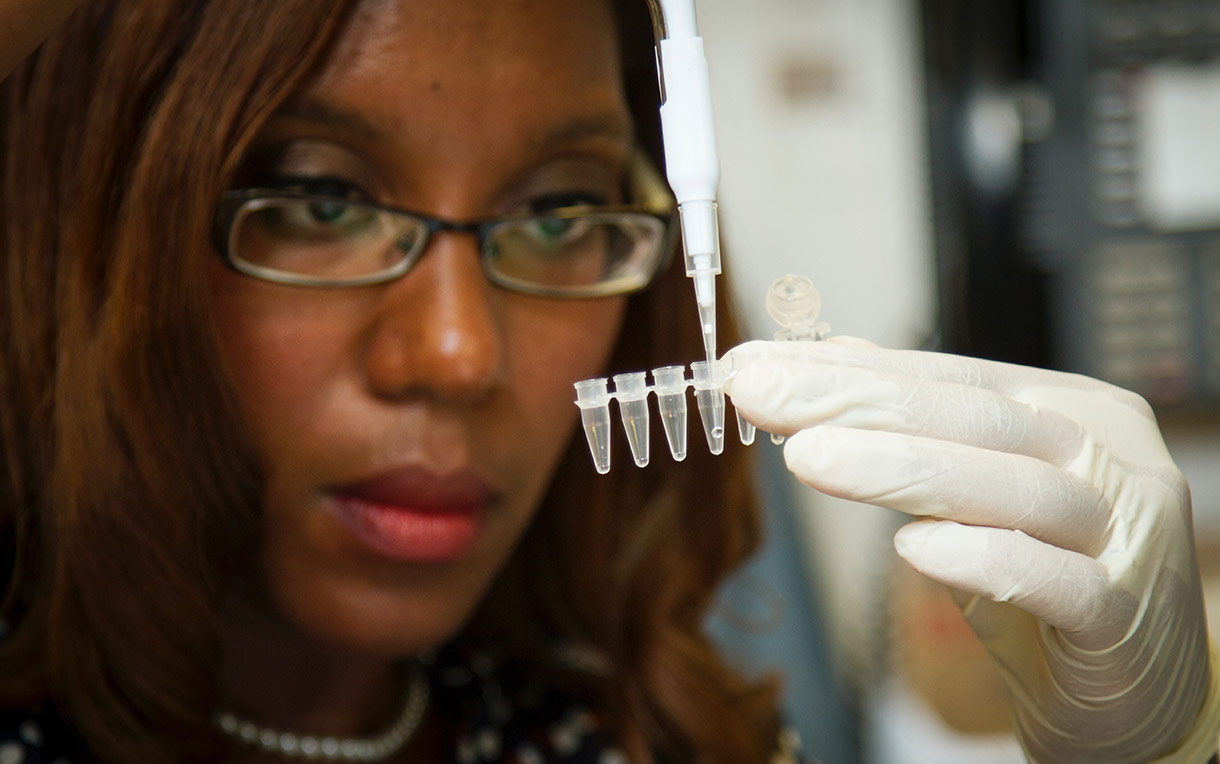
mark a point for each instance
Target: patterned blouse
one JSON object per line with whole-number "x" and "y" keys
{"x": 505, "y": 717}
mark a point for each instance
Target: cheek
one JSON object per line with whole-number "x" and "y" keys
{"x": 554, "y": 345}
{"x": 280, "y": 357}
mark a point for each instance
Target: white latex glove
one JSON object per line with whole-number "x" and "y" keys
{"x": 1051, "y": 506}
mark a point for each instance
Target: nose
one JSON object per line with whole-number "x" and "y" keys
{"x": 437, "y": 330}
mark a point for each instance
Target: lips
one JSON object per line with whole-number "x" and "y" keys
{"x": 414, "y": 515}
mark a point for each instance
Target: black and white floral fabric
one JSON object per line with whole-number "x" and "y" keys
{"x": 503, "y": 716}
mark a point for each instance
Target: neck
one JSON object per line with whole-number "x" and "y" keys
{"x": 276, "y": 676}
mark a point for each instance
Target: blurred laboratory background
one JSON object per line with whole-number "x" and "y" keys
{"x": 1035, "y": 181}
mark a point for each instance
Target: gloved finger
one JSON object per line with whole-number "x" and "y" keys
{"x": 1004, "y": 378}
{"x": 784, "y": 397}
{"x": 925, "y": 477}
{"x": 847, "y": 340}
{"x": 1066, "y": 590}
{"x": 1118, "y": 418}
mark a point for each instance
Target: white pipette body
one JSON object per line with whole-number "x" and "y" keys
{"x": 690, "y": 154}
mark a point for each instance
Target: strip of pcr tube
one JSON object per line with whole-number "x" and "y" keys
{"x": 792, "y": 301}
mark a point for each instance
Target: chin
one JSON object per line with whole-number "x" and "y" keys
{"x": 382, "y": 622}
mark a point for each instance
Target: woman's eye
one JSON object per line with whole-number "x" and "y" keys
{"x": 331, "y": 217}
{"x": 554, "y": 233}
{"x": 313, "y": 220}
{"x": 327, "y": 218}
{"x": 327, "y": 212}
{"x": 553, "y": 227}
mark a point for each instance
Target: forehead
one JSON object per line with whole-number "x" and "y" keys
{"x": 499, "y": 70}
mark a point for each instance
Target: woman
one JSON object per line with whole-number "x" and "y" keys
{"x": 289, "y": 444}
{"x": 263, "y": 477}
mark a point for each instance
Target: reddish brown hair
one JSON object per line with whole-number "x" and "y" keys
{"x": 128, "y": 494}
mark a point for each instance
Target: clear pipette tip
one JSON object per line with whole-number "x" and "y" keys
{"x": 701, "y": 248}
{"x": 707, "y": 324}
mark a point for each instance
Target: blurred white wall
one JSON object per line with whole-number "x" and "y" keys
{"x": 819, "y": 127}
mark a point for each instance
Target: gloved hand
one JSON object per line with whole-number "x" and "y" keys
{"x": 1050, "y": 505}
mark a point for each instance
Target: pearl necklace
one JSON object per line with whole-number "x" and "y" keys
{"x": 293, "y": 745}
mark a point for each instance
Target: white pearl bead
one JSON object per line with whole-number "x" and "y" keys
{"x": 293, "y": 745}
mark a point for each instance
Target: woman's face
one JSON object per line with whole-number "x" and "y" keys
{"x": 408, "y": 431}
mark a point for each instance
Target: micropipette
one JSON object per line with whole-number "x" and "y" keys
{"x": 690, "y": 149}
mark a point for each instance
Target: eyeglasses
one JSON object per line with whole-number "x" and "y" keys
{"x": 315, "y": 240}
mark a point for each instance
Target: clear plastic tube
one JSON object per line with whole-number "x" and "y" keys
{"x": 594, "y": 403}
{"x": 745, "y": 430}
{"x": 708, "y": 382}
{"x": 632, "y": 393}
{"x": 669, "y": 384}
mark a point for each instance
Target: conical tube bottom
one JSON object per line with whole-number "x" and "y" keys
{"x": 711, "y": 412}
{"x": 673, "y": 417}
{"x": 745, "y": 429}
{"x": 635, "y": 422}
{"x": 777, "y": 439}
{"x": 596, "y": 421}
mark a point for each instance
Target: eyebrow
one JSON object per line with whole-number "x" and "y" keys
{"x": 329, "y": 116}
{"x": 604, "y": 126}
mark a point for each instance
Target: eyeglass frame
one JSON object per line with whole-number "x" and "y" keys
{"x": 652, "y": 196}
